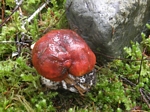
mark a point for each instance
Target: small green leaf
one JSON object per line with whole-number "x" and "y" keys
{"x": 148, "y": 26}
{"x": 143, "y": 36}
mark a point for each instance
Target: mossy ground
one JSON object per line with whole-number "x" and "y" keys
{"x": 122, "y": 85}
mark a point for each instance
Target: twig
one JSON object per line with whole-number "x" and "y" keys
{"x": 145, "y": 100}
{"x": 57, "y": 20}
{"x": 37, "y": 11}
{"x": 18, "y": 43}
{"x": 131, "y": 83}
{"x": 7, "y": 42}
{"x": 3, "y": 9}
{"x": 33, "y": 15}
{"x": 145, "y": 96}
{"x": 141, "y": 66}
{"x": 17, "y": 38}
{"x": 128, "y": 81}
{"x": 15, "y": 9}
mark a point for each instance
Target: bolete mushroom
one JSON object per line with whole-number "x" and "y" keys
{"x": 60, "y": 53}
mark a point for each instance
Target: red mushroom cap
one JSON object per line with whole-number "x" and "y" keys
{"x": 62, "y": 52}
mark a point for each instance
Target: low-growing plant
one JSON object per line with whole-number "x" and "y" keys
{"x": 122, "y": 85}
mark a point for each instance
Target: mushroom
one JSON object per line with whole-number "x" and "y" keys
{"x": 61, "y": 53}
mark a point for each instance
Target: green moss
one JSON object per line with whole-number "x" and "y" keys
{"x": 119, "y": 83}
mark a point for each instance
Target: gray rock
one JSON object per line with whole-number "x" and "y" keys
{"x": 108, "y": 25}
